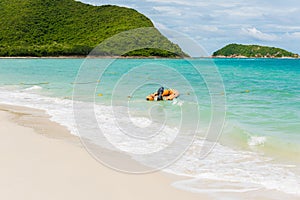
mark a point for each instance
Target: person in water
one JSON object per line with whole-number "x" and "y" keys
{"x": 157, "y": 95}
{"x": 163, "y": 94}
{"x": 160, "y": 92}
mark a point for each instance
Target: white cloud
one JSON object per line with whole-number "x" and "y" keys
{"x": 168, "y": 10}
{"x": 283, "y": 27}
{"x": 219, "y": 22}
{"x": 208, "y": 28}
{"x": 178, "y": 2}
{"x": 199, "y": 3}
{"x": 256, "y": 34}
{"x": 295, "y": 35}
{"x": 241, "y": 11}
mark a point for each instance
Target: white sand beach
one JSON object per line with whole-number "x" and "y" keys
{"x": 41, "y": 160}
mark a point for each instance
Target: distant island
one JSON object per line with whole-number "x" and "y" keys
{"x": 71, "y": 28}
{"x": 253, "y": 51}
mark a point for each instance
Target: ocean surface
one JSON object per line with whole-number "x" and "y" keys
{"x": 255, "y": 145}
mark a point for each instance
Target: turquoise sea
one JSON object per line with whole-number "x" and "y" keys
{"x": 259, "y": 145}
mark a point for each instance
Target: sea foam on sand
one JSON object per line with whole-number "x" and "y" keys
{"x": 222, "y": 164}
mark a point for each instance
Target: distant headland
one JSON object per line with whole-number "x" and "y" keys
{"x": 252, "y": 51}
{"x": 50, "y": 28}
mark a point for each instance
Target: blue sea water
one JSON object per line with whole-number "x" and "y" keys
{"x": 260, "y": 140}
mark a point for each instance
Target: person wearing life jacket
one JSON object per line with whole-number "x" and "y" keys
{"x": 160, "y": 92}
{"x": 163, "y": 94}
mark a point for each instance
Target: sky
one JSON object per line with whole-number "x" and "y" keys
{"x": 213, "y": 24}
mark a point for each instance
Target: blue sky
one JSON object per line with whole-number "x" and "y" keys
{"x": 215, "y": 23}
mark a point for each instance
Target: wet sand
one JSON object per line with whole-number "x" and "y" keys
{"x": 41, "y": 160}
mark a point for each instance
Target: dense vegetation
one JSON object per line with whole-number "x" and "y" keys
{"x": 68, "y": 27}
{"x": 236, "y": 50}
{"x": 137, "y": 42}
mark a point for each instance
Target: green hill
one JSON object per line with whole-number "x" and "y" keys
{"x": 69, "y": 27}
{"x": 239, "y": 50}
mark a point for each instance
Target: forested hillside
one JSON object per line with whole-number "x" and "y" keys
{"x": 239, "y": 50}
{"x": 67, "y": 27}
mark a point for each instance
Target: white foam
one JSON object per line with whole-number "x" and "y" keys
{"x": 141, "y": 122}
{"x": 177, "y": 102}
{"x": 257, "y": 141}
{"x": 35, "y": 87}
{"x": 222, "y": 163}
{"x": 57, "y": 108}
{"x": 225, "y": 164}
{"x": 126, "y": 137}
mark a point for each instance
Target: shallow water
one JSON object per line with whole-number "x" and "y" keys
{"x": 259, "y": 146}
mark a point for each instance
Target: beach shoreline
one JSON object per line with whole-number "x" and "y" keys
{"x": 42, "y": 160}
{"x": 92, "y": 57}
{"x": 149, "y": 57}
{"x": 252, "y": 164}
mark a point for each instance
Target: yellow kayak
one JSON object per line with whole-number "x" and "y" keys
{"x": 168, "y": 95}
